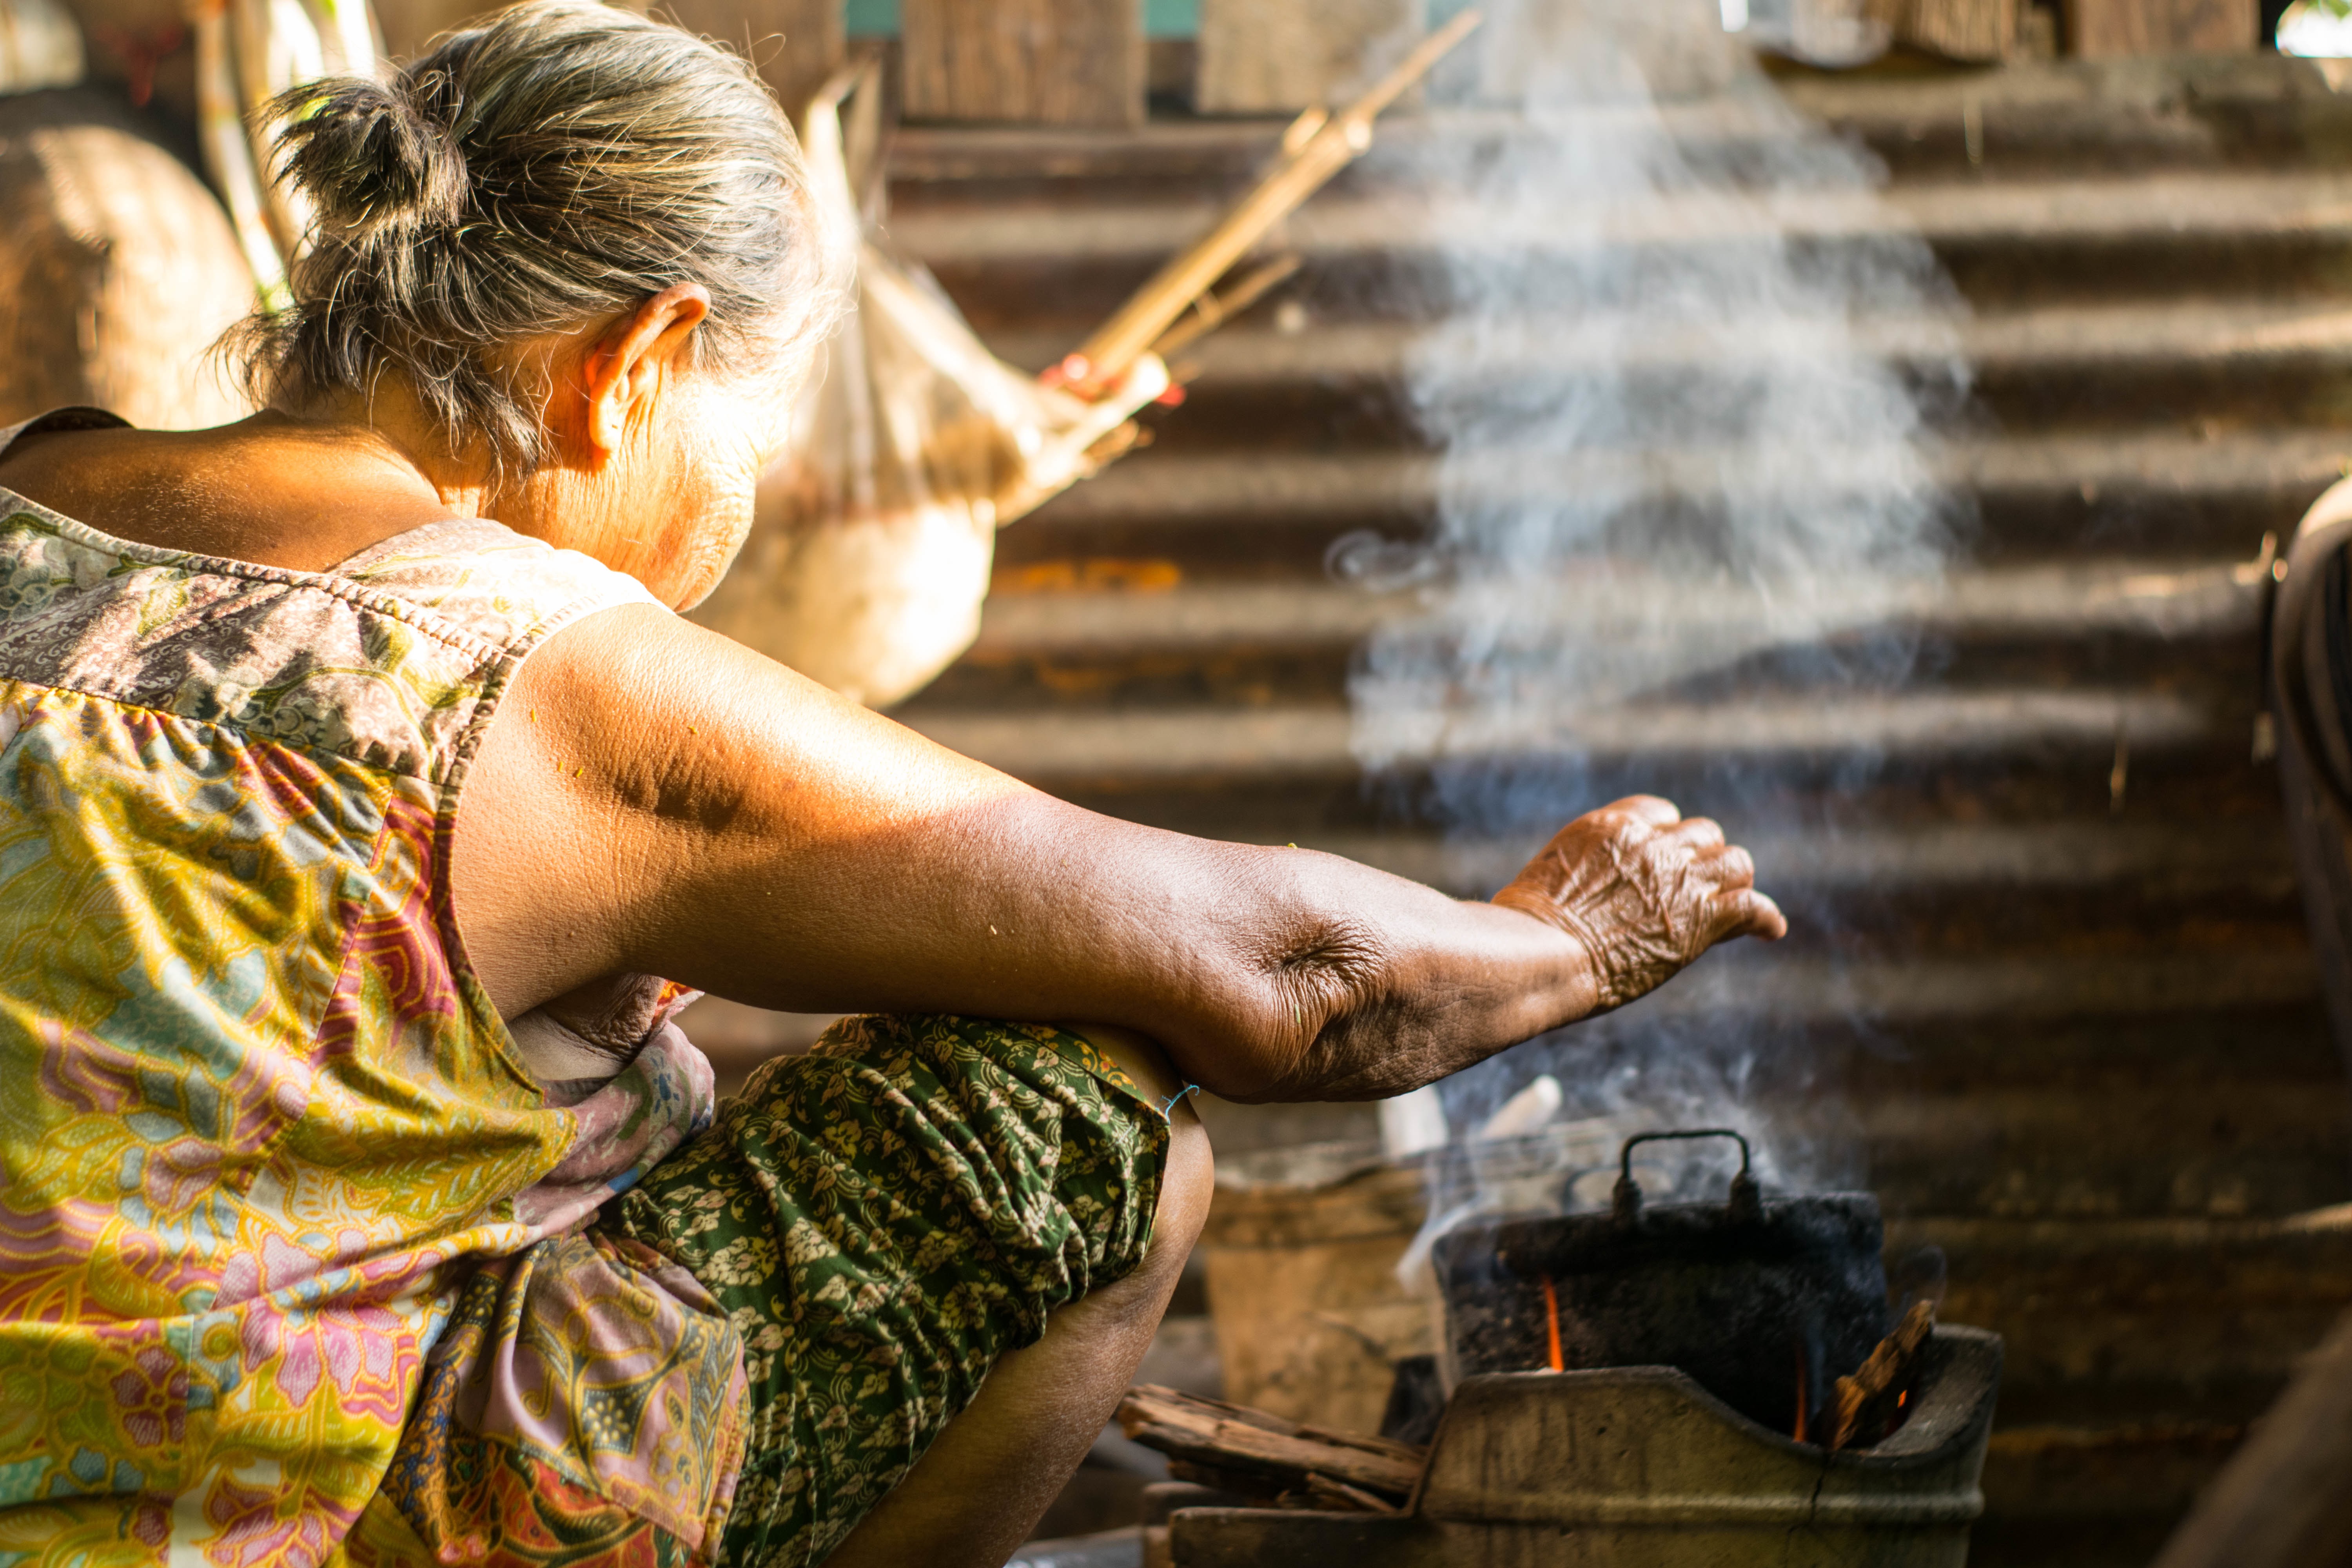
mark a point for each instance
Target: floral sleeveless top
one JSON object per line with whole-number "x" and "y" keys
{"x": 258, "y": 1123}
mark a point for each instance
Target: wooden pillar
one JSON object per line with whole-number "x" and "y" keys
{"x": 408, "y": 26}
{"x": 1979, "y": 31}
{"x": 795, "y": 43}
{"x": 2281, "y": 1501}
{"x": 1269, "y": 56}
{"x": 1038, "y": 62}
{"x": 2107, "y": 29}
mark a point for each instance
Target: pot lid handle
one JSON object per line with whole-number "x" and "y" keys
{"x": 1745, "y": 1201}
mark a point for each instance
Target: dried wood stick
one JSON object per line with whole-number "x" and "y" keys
{"x": 1171, "y": 1407}
{"x": 1231, "y": 1438}
{"x": 1118, "y": 343}
{"x": 1388, "y": 1448}
{"x": 1324, "y": 1487}
{"x": 227, "y": 152}
{"x": 1211, "y": 311}
{"x": 1866, "y": 1400}
{"x": 1223, "y": 1480}
{"x": 1179, "y": 1408}
{"x": 1285, "y": 1461}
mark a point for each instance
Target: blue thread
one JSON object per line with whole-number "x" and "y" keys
{"x": 1169, "y": 1110}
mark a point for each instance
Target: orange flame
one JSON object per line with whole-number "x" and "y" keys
{"x": 1551, "y": 1322}
{"x": 1802, "y": 1391}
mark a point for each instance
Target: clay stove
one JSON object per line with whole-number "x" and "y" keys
{"x": 1637, "y": 1389}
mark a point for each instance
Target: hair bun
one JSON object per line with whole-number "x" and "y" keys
{"x": 368, "y": 160}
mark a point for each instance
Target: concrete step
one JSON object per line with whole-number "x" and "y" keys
{"x": 2115, "y": 858}
{"x": 1147, "y": 637}
{"x": 2151, "y": 491}
{"x": 2272, "y": 233}
{"x": 2031, "y": 117}
{"x": 2207, "y": 365}
{"x": 1209, "y": 748}
{"x": 2059, "y": 599}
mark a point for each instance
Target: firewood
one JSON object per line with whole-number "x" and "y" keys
{"x": 1327, "y": 145}
{"x": 1261, "y": 1489}
{"x": 1254, "y": 1490}
{"x": 1326, "y": 1491}
{"x": 1212, "y": 310}
{"x": 1272, "y": 1455}
{"x": 1866, "y": 1401}
{"x": 1180, "y": 1409}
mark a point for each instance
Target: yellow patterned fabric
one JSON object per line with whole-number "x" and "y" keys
{"x": 261, "y": 1128}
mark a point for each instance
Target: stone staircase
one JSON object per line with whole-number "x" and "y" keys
{"x": 2096, "y": 1066}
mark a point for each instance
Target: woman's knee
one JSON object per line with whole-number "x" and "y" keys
{"x": 1188, "y": 1174}
{"x": 1187, "y": 1181}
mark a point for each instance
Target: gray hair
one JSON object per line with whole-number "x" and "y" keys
{"x": 553, "y": 167}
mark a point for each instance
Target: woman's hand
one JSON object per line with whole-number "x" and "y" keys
{"x": 1643, "y": 892}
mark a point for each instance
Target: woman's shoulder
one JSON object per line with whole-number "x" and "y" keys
{"x": 483, "y": 580}
{"x": 385, "y": 659}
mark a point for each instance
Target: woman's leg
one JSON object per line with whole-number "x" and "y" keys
{"x": 989, "y": 1478}
{"x": 926, "y": 1219}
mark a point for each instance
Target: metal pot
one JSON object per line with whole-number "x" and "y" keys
{"x": 1757, "y": 1298}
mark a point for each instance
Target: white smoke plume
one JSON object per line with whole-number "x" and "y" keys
{"x": 1682, "y": 495}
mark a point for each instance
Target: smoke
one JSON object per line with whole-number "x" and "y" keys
{"x": 1685, "y": 519}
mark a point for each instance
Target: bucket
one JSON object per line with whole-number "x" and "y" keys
{"x": 1300, "y": 1253}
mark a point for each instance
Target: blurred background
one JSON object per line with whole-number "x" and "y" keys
{"x": 1872, "y": 421}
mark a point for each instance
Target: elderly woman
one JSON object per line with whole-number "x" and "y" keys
{"x": 357, "y": 779}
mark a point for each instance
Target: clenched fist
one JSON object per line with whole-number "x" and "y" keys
{"x": 1643, "y": 892}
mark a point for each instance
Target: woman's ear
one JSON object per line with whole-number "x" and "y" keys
{"x": 630, "y": 367}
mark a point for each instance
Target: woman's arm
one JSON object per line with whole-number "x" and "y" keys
{"x": 654, "y": 799}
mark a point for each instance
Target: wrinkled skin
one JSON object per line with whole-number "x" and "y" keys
{"x": 1643, "y": 891}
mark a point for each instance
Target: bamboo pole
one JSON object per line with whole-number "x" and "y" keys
{"x": 1338, "y": 141}
{"x": 1211, "y": 311}
{"x": 228, "y": 156}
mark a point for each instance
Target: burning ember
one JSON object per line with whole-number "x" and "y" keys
{"x": 1719, "y": 1291}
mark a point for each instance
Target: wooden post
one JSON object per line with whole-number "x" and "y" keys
{"x": 2108, "y": 29}
{"x": 1977, "y": 31}
{"x": 2280, "y": 1501}
{"x": 796, "y": 43}
{"x": 408, "y": 26}
{"x": 1038, "y": 62}
{"x": 1277, "y": 56}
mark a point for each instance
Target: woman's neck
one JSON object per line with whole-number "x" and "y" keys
{"x": 299, "y": 493}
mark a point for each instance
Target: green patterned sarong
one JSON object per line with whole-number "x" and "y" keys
{"x": 881, "y": 1220}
